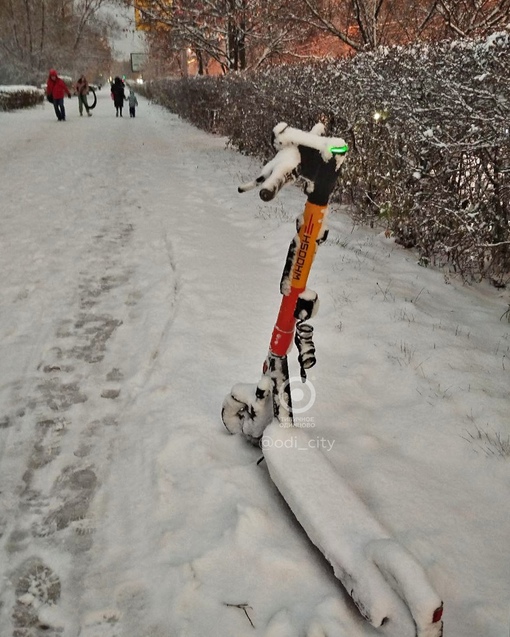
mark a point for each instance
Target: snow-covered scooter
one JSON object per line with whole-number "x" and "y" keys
{"x": 387, "y": 584}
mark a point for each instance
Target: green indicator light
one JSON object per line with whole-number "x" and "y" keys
{"x": 339, "y": 150}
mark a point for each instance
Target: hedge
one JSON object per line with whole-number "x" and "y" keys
{"x": 15, "y": 97}
{"x": 428, "y": 127}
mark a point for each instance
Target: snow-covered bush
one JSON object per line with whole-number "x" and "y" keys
{"x": 429, "y": 128}
{"x": 14, "y": 97}
{"x": 429, "y": 132}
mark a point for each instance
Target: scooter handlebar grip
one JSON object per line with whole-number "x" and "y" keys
{"x": 267, "y": 195}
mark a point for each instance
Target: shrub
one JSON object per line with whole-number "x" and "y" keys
{"x": 428, "y": 127}
{"x": 14, "y": 97}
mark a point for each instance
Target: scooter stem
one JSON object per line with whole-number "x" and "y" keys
{"x": 305, "y": 249}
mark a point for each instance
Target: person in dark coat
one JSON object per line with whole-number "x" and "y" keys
{"x": 118, "y": 96}
{"x": 56, "y": 89}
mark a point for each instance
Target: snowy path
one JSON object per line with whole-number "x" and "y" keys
{"x": 137, "y": 288}
{"x": 82, "y": 250}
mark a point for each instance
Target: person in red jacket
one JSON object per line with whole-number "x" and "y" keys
{"x": 56, "y": 89}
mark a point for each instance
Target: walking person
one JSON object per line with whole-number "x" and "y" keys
{"x": 56, "y": 89}
{"x": 118, "y": 96}
{"x": 82, "y": 90}
{"x": 133, "y": 103}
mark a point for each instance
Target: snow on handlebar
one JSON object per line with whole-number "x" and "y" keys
{"x": 287, "y": 165}
{"x": 284, "y": 135}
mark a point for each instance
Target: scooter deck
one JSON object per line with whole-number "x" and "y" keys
{"x": 387, "y": 584}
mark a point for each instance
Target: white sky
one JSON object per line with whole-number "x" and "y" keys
{"x": 129, "y": 40}
{"x": 137, "y": 287}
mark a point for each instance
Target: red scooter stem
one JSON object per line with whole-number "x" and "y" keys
{"x": 309, "y": 232}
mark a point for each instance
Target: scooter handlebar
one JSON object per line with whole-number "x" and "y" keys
{"x": 309, "y": 155}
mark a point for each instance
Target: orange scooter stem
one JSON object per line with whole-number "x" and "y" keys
{"x": 305, "y": 249}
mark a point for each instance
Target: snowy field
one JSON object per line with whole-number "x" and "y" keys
{"x": 137, "y": 287}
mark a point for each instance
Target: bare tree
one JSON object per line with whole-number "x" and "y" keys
{"x": 236, "y": 34}
{"x": 463, "y": 18}
{"x": 359, "y": 24}
{"x": 36, "y": 34}
{"x": 367, "y": 24}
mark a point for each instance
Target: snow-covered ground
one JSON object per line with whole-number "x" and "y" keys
{"x": 137, "y": 287}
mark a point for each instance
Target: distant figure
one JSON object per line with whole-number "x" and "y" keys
{"x": 118, "y": 96}
{"x": 56, "y": 89}
{"x": 133, "y": 103}
{"x": 82, "y": 90}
